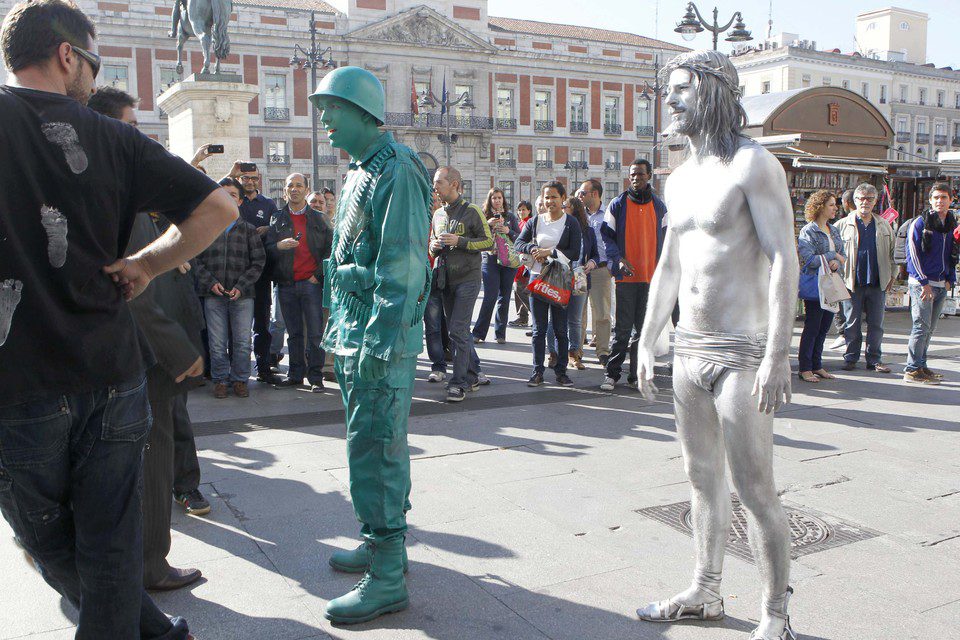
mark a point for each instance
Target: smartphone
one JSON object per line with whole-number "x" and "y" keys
{"x": 296, "y": 237}
{"x": 215, "y": 148}
{"x": 248, "y": 166}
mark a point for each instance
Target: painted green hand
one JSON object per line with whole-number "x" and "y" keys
{"x": 371, "y": 367}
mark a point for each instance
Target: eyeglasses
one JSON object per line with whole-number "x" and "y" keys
{"x": 92, "y": 59}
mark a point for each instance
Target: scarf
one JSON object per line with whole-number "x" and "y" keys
{"x": 932, "y": 223}
{"x": 643, "y": 196}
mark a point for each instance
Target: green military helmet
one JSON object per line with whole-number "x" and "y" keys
{"x": 354, "y": 85}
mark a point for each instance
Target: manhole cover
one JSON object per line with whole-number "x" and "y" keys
{"x": 808, "y": 533}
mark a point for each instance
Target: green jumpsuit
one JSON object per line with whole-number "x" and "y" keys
{"x": 376, "y": 286}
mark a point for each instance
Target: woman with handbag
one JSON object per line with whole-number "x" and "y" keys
{"x": 586, "y": 262}
{"x": 553, "y": 239}
{"x": 819, "y": 243}
{"x": 498, "y": 267}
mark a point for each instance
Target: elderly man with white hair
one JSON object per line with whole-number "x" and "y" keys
{"x": 868, "y": 274}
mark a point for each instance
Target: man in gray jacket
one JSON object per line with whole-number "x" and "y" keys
{"x": 457, "y": 236}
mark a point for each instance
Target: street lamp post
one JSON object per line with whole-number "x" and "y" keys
{"x": 575, "y": 167}
{"x": 657, "y": 89}
{"x": 428, "y": 99}
{"x": 314, "y": 58}
{"x": 693, "y": 23}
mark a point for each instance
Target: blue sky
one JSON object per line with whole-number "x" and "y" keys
{"x": 829, "y": 22}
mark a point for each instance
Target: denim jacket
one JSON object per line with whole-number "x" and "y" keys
{"x": 813, "y": 243}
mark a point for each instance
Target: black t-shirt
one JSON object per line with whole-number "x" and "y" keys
{"x": 71, "y": 182}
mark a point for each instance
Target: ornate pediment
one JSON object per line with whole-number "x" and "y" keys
{"x": 424, "y": 27}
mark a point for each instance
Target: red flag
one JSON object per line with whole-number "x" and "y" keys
{"x": 414, "y": 101}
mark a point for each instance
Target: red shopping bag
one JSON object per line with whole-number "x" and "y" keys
{"x": 889, "y": 214}
{"x": 553, "y": 284}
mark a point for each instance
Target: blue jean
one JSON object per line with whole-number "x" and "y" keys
{"x": 433, "y": 331}
{"x": 574, "y": 325}
{"x": 302, "y": 306}
{"x": 277, "y": 326}
{"x": 70, "y": 488}
{"x": 925, "y": 315}
{"x": 872, "y": 300}
{"x": 228, "y": 323}
{"x": 458, "y": 303}
{"x": 816, "y": 325}
{"x": 545, "y": 314}
{"x": 497, "y": 287}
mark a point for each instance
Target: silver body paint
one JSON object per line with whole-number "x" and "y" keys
{"x": 65, "y": 136}
{"x": 55, "y": 224}
{"x": 9, "y": 299}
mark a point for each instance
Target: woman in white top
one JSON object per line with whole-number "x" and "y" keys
{"x": 552, "y": 235}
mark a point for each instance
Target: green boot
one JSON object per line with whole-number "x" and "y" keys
{"x": 358, "y": 560}
{"x": 382, "y": 589}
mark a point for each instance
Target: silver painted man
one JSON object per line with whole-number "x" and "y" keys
{"x": 730, "y": 259}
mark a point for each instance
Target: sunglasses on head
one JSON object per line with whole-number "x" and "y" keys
{"x": 92, "y": 59}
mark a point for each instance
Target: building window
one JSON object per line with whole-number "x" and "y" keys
{"x": 865, "y": 90}
{"x": 613, "y": 188}
{"x": 956, "y": 100}
{"x": 578, "y": 106}
{"x": 939, "y": 131}
{"x": 507, "y": 188}
{"x": 460, "y": 111}
{"x": 904, "y": 92}
{"x": 883, "y": 94}
{"x": 505, "y": 103}
{"x": 543, "y": 155}
{"x": 276, "y": 189}
{"x": 115, "y": 75}
{"x": 920, "y": 151}
{"x": 921, "y": 127}
{"x": 922, "y": 96}
{"x": 845, "y": 84}
{"x": 904, "y": 26}
{"x": 765, "y": 86}
{"x": 826, "y": 81}
{"x": 805, "y": 80}
{"x": 467, "y": 186}
{"x": 644, "y": 118}
{"x": 276, "y": 93}
{"x": 902, "y": 125}
{"x": 611, "y": 111}
{"x": 277, "y": 152}
{"x": 941, "y": 98}
{"x": 541, "y": 106}
{"x": 578, "y": 155}
{"x": 422, "y": 89}
{"x": 168, "y": 78}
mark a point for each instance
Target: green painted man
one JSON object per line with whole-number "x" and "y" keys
{"x": 375, "y": 287}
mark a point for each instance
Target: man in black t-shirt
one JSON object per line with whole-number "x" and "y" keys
{"x": 73, "y": 407}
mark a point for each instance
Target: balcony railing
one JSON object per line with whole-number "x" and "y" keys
{"x": 278, "y": 158}
{"x": 612, "y": 129}
{"x": 543, "y": 125}
{"x": 903, "y": 136}
{"x": 611, "y": 165}
{"x": 923, "y": 138}
{"x": 507, "y": 163}
{"x": 644, "y": 132}
{"x": 544, "y": 164}
{"x": 276, "y": 114}
{"x": 506, "y": 123}
{"x": 579, "y": 126}
{"x": 327, "y": 160}
{"x": 940, "y": 140}
{"x": 437, "y": 121}
{"x": 578, "y": 164}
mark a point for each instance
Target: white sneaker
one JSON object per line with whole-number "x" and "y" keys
{"x": 608, "y": 384}
{"x": 839, "y": 343}
{"x": 436, "y": 376}
{"x": 482, "y": 380}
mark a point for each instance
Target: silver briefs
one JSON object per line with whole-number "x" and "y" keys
{"x": 707, "y": 355}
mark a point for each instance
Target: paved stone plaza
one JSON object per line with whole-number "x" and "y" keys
{"x": 529, "y": 521}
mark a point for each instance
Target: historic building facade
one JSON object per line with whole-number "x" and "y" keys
{"x": 920, "y": 101}
{"x": 549, "y": 101}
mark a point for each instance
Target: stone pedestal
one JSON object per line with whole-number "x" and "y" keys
{"x": 210, "y": 108}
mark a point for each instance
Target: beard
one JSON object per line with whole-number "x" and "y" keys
{"x": 686, "y": 124}
{"x": 76, "y": 87}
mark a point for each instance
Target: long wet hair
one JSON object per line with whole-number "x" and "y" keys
{"x": 719, "y": 114}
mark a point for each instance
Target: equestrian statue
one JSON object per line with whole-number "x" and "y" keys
{"x": 206, "y": 20}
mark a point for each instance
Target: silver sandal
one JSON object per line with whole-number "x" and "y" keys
{"x": 787, "y": 633}
{"x": 672, "y": 611}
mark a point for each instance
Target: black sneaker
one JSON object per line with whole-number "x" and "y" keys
{"x": 193, "y": 502}
{"x": 269, "y": 378}
{"x": 456, "y": 394}
{"x": 564, "y": 380}
{"x": 535, "y": 380}
{"x": 317, "y": 386}
{"x": 603, "y": 359}
{"x": 287, "y": 383}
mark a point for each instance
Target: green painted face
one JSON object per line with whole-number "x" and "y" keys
{"x": 348, "y": 126}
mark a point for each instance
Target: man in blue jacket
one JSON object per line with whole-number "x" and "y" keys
{"x": 931, "y": 273}
{"x": 633, "y": 230}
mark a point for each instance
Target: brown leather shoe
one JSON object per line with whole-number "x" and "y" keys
{"x": 576, "y": 360}
{"x": 240, "y": 390}
{"x": 879, "y": 368}
{"x": 220, "y": 391}
{"x": 931, "y": 374}
{"x": 176, "y": 579}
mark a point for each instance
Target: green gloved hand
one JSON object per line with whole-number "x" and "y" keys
{"x": 371, "y": 367}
